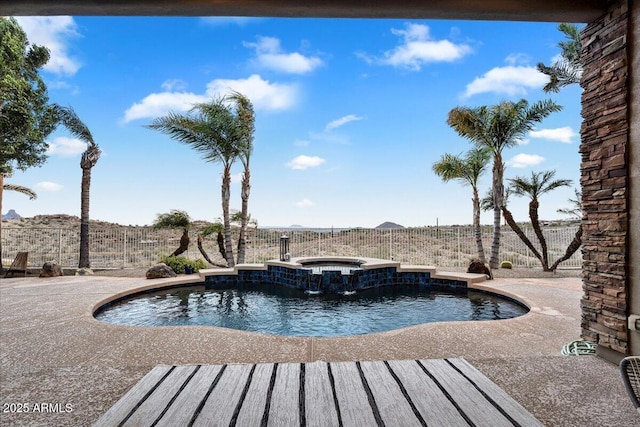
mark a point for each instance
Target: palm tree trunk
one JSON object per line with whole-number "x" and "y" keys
{"x": 184, "y": 243}
{"x": 535, "y": 223}
{"x": 571, "y": 249}
{"x": 242, "y": 241}
{"x": 498, "y": 201}
{"x": 84, "y": 219}
{"x": 514, "y": 226}
{"x": 226, "y": 196}
{"x": 476, "y": 225}
{"x": 205, "y": 254}
{"x": 221, "y": 249}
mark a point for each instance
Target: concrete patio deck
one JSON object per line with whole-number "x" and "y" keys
{"x": 58, "y": 360}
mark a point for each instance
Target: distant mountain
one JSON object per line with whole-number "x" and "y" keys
{"x": 296, "y": 226}
{"x": 12, "y": 214}
{"x": 388, "y": 225}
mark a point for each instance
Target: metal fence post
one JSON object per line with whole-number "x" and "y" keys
{"x": 59, "y": 246}
{"x": 124, "y": 248}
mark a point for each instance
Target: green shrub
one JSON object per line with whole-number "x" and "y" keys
{"x": 178, "y": 263}
{"x": 506, "y": 264}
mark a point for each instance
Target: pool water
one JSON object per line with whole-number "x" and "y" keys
{"x": 282, "y": 311}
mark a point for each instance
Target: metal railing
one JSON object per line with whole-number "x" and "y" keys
{"x": 122, "y": 247}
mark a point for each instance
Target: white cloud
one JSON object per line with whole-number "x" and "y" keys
{"x": 53, "y": 32}
{"x": 509, "y": 80}
{"x": 66, "y": 147}
{"x": 173, "y": 85}
{"x": 305, "y": 162}
{"x": 263, "y": 94}
{"x": 304, "y": 203}
{"x": 517, "y": 58}
{"x": 159, "y": 104}
{"x": 524, "y": 160}
{"x": 419, "y": 48}
{"x": 341, "y": 121}
{"x": 563, "y": 134}
{"x": 48, "y": 186}
{"x": 269, "y": 55}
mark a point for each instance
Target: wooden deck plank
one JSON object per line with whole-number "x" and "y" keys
{"x": 434, "y": 406}
{"x": 132, "y": 398}
{"x": 355, "y": 408}
{"x": 221, "y": 404}
{"x": 471, "y": 401}
{"x": 440, "y": 393}
{"x": 180, "y": 413}
{"x": 256, "y": 398}
{"x": 285, "y": 400}
{"x": 506, "y": 402}
{"x": 319, "y": 405}
{"x": 394, "y": 408}
{"x": 153, "y": 406}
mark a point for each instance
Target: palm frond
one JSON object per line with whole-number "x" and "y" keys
{"x": 21, "y": 189}
{"x": 70, "y": 120}
{"x": 568, "y": 69}
{"x": 576, "y": 209}
{"x": 538, "y": 184}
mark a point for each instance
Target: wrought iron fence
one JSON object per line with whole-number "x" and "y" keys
{"x": 122, "y": 247}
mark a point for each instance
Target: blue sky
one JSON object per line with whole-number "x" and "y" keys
{"x": 350, "y": 115}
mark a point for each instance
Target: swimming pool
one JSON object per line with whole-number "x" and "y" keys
{"x": 279, "y": 310}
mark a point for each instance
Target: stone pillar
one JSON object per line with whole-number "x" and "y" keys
{"x": 634, "y": 171}
{"x": 605, "y": 179}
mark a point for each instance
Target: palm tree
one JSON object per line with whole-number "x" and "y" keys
{"x": 216, "y": 228}
{"x": 467, "y": 170}
{"x": 70, "y": 120}
{"x": 244, "y": 111}
{"x": 568, "y": 69}
{"x": 175, "y": 219}
{"x": 11, "y": 187}
{"x": 212, "y": 129}
{"x": 576, "y": 242}
{"x": 498, "y": 127}
{"x": 575, "y": 212}
{"x": 540, "y": 183}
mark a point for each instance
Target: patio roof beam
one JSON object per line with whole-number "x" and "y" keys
{"x": 511, "y": 10}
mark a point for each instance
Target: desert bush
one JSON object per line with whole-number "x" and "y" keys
{"x": 506, "y": 264}
{"x": 178, "y": 263}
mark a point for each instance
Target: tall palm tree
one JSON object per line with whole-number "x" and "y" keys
{"x": 70, "y": 120}
{"x": 540, "y": 183}
{"x": 568, "y": 69}
{"x": 467, "y": 170}
{"x": 498, "y": 127}
{"x": 11, "y": 187}
{"x": 211, "y": 129}
{"x": 244, "y": 111}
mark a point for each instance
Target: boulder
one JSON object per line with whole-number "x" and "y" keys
{"x": 84, "y": 272}
{"x": 160, "y": 271}
{"x": 50, "y": 269}
{"x": 479, "y": 267}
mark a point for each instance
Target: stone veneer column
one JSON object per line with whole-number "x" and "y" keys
{"x": 634, "y": 170}
{"x": 605, "y": 180}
